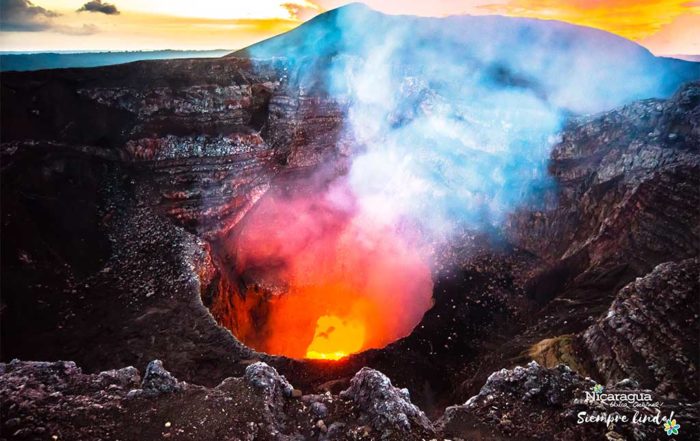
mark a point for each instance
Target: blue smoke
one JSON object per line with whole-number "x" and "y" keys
{"x": 454, "y": 119}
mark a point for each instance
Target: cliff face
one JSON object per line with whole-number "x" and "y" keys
{"x": 121, "y": 186}
{"x": 613, "y": 167}
{"x": 211, "y": 133}
{"x": 109, "y": 166}
{"x": 625, "y": 202}
{"x": 648, "y": 332}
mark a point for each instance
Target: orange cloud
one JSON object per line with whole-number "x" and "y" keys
{"x": 632, "y": 19}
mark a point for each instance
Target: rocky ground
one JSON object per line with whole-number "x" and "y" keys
{"x": 58, "y": 401}
{"x": 120, "y": 184}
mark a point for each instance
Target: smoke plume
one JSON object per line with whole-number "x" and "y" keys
{"x": 452, "y": 122}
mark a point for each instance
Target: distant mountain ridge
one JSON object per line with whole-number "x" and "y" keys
{"x": 545, "y": 54}
{"x": 54, "y": 60}
{"x": 686, "y": 57}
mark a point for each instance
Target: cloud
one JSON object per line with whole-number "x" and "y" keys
{"x": 99, "y": 6}
{"x": 302, "y": 10}
{"x": 24, "y": 16}
{"x": 633, "y": 19}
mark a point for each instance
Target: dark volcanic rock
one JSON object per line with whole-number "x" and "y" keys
{"x": 384, "y": 406}
{"x": 43, "y": 400}
{"x": 157, "y": 380}
{"x": 170, "y": 144}
{"x": 650, "y": 332}
{"x": 615, "y": 171}
{"x": 35, "y": 395}
{"x": 533, "y": 402}
{"x": 627, "y": 199}
{"x": 268, "y": 380}
{"x": 529, "y": 402}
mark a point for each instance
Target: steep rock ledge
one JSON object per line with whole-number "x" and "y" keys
{"x": 649, "y": 333}
{"x": 626, "y": 201}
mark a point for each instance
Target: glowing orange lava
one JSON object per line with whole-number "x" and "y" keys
{"x": 336, "y": 338}
{"x": 340, "y": 283}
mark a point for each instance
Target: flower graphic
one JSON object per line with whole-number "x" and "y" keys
{"x": 597, "y": 389}
{"x": 671, "y": 427}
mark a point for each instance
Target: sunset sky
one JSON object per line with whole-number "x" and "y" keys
{"x": 665, "y": 26}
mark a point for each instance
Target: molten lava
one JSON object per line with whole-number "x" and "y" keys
{"x": 336, "y": 338}
{"x": 322, "y": 281}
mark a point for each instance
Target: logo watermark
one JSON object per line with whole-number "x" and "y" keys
{"x": 635, "y": 407}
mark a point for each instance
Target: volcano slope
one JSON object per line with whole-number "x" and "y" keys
{"x": 123, "y": 187}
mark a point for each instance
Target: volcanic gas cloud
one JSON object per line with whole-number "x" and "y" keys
{"x": 450, "y": 131}
{"x": 333, "y": 282}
